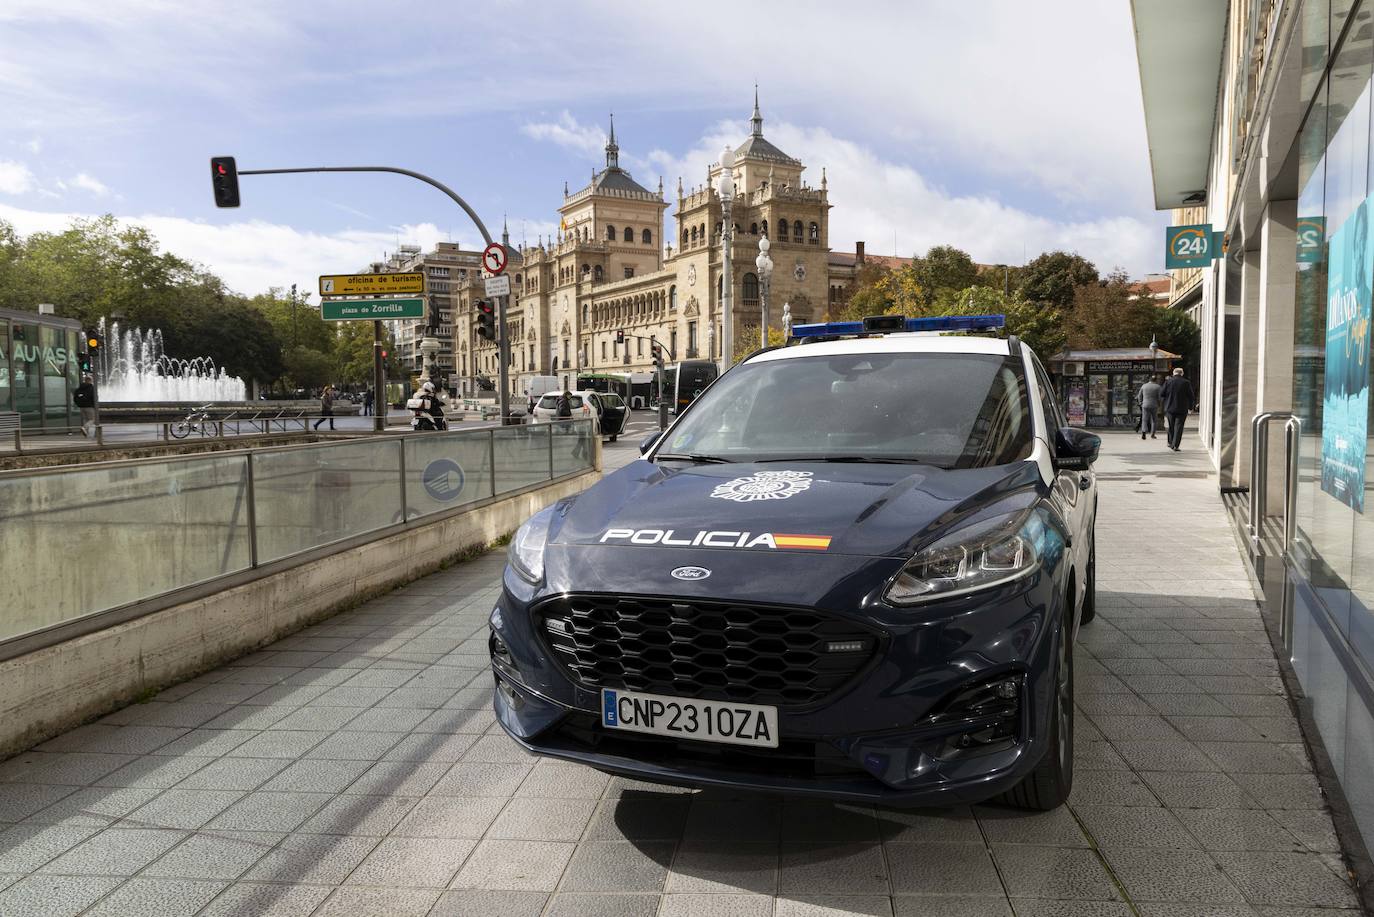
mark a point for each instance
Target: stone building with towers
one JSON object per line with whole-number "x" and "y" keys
{"x": 609, "y": 270}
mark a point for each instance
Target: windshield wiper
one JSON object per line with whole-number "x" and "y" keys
{"x": 855, "y": 459}
{"x": 695, "y": 457}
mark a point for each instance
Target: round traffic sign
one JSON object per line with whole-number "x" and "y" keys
{"x": 494, "y": 258}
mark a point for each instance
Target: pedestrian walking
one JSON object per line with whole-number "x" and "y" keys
{"x": 1178, "y": 399}
{"x": 1148, "y": 399}
{"x": 326, "y": 407}
{"x": 367, "y": 403}
{"x": 84, "y": 398}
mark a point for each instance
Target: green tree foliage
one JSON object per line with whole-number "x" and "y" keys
{"x": 1054, "y": 277}
{"x": 747, "y": 340}
{"x": 1111, "y": 314}
{"x": 864, "y": 295}
{"x": 1177, "y": 333}
{"x": 353, "y": 352}
{"x": 1039, "y": 325}
{"x": 943, "y": 269}
{"x": 307, "y": 368}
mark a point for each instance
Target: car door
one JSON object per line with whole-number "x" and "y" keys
{"x": 1073, "y": 491}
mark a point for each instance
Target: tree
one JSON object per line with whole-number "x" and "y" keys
{"x": 863, "y": 294}
{"x": 1039, "y": 325}
{"x": 1054, "y": 276}
{"x": 353, "y": 353}
{"x": 944, "y": 268}
{"x": 1176, "y": 332}
{"x": 747, "y": 340}
{"x": 1111, "y": 314}
{"x": 307, "y": 368}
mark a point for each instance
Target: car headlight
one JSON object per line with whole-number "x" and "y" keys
{"x": 979, "y": 557}
{"x": 526, "y": 553}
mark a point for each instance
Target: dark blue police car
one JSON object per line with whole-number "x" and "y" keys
{"x": 854, "y": 568}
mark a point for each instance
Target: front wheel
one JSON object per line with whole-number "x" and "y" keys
{"x": 181, "y": 429}
{"x": 1090, "y": 587}
{"x": 1048, "y": 786}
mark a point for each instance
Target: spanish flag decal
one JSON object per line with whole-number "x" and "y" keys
{"x": 809, "y": 542}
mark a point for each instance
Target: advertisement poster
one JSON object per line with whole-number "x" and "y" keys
{"x": 1345, "y": 399}
{"x": 1078, "y": 403}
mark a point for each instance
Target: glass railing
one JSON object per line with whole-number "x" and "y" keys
{"x": 80, "y": 540}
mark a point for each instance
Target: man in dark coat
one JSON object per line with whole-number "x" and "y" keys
{"x": 1178, "y": 399}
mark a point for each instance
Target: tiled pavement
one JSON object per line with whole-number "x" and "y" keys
{"x": 355, "y": 769}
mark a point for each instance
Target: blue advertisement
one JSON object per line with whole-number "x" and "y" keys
{"x": 1345, "y": 401}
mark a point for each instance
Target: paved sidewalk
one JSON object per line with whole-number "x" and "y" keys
{"x": 355, "y": 769}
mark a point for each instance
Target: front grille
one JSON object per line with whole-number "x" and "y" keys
{"x": 715, "y": 650}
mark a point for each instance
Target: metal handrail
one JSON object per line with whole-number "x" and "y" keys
{"x": 1292, "y": 438}
{"x": 1259, "y": 473}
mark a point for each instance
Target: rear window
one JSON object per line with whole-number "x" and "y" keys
{"x": 550, "y": 402}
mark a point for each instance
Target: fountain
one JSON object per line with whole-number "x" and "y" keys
{"x": 132, "y": 367}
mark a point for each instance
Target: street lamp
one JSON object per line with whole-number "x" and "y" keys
{"x": 725, "y": 187}
{"x": 765, "y": 266}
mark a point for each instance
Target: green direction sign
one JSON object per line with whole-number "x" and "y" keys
{"x": 1194, "y": 245}
{"x": 347, "y": 310}
{"x": 1311, "y": 238}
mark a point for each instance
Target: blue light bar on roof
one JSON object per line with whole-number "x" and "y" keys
{"x": 928, "y": 323}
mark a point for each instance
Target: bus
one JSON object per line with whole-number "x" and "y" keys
{"x": 687, "y": 380}
{"x": 636, "y": 388}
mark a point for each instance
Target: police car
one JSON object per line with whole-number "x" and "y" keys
{"x": 854, "y": 568}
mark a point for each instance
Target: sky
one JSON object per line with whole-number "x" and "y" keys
{"x": 1004, "y": 128}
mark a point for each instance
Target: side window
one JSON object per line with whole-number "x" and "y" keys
{"x": 1049, "y": 399}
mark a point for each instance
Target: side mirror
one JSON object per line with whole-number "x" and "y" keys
{"x": 1075, "y": 449}
{"x": 647, "y": 442}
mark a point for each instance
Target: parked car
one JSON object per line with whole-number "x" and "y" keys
{"x": 852, "y": 569}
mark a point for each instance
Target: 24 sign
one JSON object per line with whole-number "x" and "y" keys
{"x": 1194, "y": 245}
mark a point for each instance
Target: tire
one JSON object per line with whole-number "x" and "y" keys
{"x": 1048, "y": 786}
{"x": 1089, "y": 610}
{"x": 180, "y": 430}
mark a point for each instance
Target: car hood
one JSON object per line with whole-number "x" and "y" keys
{"x": 804, "y": 507}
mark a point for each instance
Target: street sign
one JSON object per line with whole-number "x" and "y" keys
{"x": 1194, "y": 245}
{"x": 498, "y": 285}
{"x": 494, "y": 258}
{"x": 370, "y": 284}
{"x": 347, "y": 310}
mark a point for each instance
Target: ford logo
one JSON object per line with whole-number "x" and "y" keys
{"x": 690, "y": 573}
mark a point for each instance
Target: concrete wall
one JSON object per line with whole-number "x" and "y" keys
{"x": 51, "y": 690}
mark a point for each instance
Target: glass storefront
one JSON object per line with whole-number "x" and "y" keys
{"x": 39, "y": 369}
{"x": 1331, "y": 590}
{"x": 1102, "y": 393}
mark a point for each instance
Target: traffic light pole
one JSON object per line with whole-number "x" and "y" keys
{"x": 481, "y": 227}
{"x": 379, "y": 400}
{"x": 504, "y": 338}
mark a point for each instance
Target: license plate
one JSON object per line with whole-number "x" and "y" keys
{"x": 686, "y": 718}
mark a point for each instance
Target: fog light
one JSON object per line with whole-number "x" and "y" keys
{"x": 987, "y": 715}
{"x": 845, "y": 646}
{"x": 500, "y": 653}
{"x": 511, "y": 697}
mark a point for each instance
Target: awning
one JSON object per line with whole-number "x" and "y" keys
{"x": 1179, "y": 48}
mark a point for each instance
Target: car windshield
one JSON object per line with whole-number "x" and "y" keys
{"x": 948, "y": 410}
{"x": 550, "y": 402}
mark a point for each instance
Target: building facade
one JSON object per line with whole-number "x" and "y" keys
{"x": 594, "y": 297}
{"x": 1279, "y": 160}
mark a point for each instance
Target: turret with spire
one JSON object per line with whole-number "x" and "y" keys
{"x": 612, "y": 150}
{"x": 756, "y": 122}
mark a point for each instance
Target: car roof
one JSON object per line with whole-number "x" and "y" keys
{"x": 918, "y": 342}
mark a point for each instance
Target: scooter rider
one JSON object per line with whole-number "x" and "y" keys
{"x": 429, "y": 409}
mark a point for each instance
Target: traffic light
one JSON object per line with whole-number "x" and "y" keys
{"x": 486, "y": 320}
{"x": 84, "y": 362}
{"x": 656, "y": 350}
{"x": 224, "y": 175}
{"x": 87, "y": 359}
{"x": 620, "y": 336}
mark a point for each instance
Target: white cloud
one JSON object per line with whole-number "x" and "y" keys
{"x": 252, "y": 256}
{"x": 15, "y": 177}
{"x": 34, "y": 146}
{"x": 568, "y": 133}
{"x": 83, "y": 181}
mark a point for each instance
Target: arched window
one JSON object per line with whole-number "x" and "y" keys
{"x": 753, "y": 229}
{"x": 815, "y": 236}
{"x": 797, "y": 230}
{"x": 782, "y": 230}
{"x": 586, "y": 317}
{"x": 685, "y": 236}
{"x": 629, "y": 234}
{"x": 719, "y": 226}
{"x": 751, "y": 289}
{"x": 672, "y": 298}
{"x": 694, "y": 235}
{"x": 586, "y": 269}
{"x": 610, "y": 233}
{"x": 647, "y": 237}
{"x": 764, "y": 227}
{"x": 596, "y": 272}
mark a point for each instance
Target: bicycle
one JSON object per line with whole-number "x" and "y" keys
{"x": 197, "y": 420}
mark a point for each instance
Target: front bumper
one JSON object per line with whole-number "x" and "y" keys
{"x": 877, "y": 739}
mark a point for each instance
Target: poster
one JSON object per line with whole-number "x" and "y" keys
{"x": 1078, "y": 402}
{"x": 1345, "y": 398}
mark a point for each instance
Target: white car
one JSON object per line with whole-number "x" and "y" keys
{"x": 609, "y": 410}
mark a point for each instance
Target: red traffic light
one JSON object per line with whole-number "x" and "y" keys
{"x": 224, "y": 174}
{"x": 383, "y": 354}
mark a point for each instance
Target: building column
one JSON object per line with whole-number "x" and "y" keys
{"x": 1249, "y": 347}
{"x": 1274, "y": 333}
